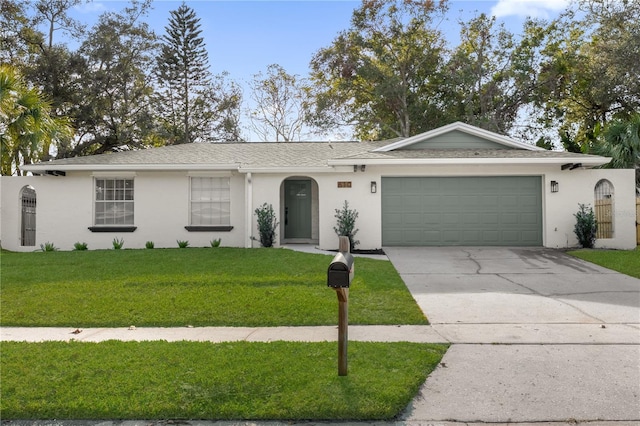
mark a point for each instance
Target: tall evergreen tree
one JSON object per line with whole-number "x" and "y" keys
{"x": 189, "y": 100}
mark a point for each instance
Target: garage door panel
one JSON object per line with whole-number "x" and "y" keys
{"x": 490, "y": 218}
{"x": 413, "y": 219}
{"x": 472, "y": 236}
{"x": 528, "y": 201}
{"x": 449, "y": 219}
{"x": 462, "y": 211}
{"x": 529, "y": 219}
{"x": 491, "y": 237}
{"x": 488, "y": 201}
{"x": 450, "y": 236}
{"x": 509, "y": 218}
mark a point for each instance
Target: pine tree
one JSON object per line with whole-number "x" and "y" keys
{"x": 191, "y": 101}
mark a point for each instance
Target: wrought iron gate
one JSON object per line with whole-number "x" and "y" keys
{"x": 28, "y": 229}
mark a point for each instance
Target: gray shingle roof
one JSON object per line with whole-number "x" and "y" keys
{"x": 300, "y": 154}
{"x": 281, "y": 156}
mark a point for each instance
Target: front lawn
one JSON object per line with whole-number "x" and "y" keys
{"x": 194, "y": 286}
{"x": 196, "y": 380}
{"x": 625, "y": 261}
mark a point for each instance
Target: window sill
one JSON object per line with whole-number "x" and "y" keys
{"x": 113, "y": 228}
{"x": 205, "y": 228}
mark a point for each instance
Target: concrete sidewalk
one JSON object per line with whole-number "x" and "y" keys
{"x": 507, "y": 334}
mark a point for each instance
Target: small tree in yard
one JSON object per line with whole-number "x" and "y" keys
{"x": 346, "y": 222}
{"x": 267, "y": 224}
{"x": 586, "y": 226}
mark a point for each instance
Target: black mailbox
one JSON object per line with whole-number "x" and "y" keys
{"x": 340, "y": 271}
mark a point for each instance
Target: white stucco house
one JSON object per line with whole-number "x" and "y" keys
{"x": 455, "y": 185}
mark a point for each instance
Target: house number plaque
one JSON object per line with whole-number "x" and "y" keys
{"x": 344, "y": 184}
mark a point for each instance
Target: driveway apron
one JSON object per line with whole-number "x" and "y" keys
{"x": 537, "y": 335}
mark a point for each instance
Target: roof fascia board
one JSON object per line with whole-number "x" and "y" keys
{"x": 41, "y": 167}
{"x": 303, "y": 170}
{"x": 591, "y": 161}
{"x": 463, "y": 127}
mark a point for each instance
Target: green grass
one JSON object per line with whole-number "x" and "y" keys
{"x": 195, "y": 286}
{"x": 195, "y": 380}
{"x": 625, "y": 261}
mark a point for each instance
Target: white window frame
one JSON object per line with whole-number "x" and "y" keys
{"x": 218, "y": 192}
{"x": 120, "y": 198}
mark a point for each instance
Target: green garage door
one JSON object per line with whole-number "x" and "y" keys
{"x": 444, "y": 211}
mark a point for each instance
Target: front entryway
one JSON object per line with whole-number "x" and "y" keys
{"x": 297, "y": 209}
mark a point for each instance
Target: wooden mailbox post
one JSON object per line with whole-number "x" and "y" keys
{"x": 339, "y": 278}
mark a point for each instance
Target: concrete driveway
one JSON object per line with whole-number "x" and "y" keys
{"x": 537, "y": 336}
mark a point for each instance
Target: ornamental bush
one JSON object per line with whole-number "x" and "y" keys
{"x": 346, "y": 222}
{"x": 267, "y": 224}
{"x": 586, "y": 226}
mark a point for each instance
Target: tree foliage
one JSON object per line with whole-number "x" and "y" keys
{"x": 488, "y": 76}
{"x": 27, "y": 128}
{"x": 589, "y": 73}
{"x": 115, "y": 84}
{"x": 281, "y": 101}
{"x": 381, "y": 74}
{"x": 620, "y": 140}
{"x": 572, "y": 82}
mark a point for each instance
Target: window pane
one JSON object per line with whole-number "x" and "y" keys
{"x": 127, "y": 218}
{"x": 114, "y": 202}
{"x": 210, "y": 201}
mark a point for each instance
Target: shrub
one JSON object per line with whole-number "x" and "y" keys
{"x": 118, "y": 243}
{"x": 215, "y": 243}
{"x": 586, "y": 226}
{"x": 267, "y": 224}
{"x": 80, "y": 246}
{"x": 48, "y": 247}
{"x": 346, "y": 222}
{"x": 183, "y": 244}
{"x": 149, "y": 244}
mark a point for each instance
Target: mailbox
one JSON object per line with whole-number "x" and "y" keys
{"x": 340, "y": 271}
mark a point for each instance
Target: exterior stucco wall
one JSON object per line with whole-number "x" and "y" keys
{"x": 64, "y": 211}
{"x": 576, "y": 186}
{"x": 65, "y": 205}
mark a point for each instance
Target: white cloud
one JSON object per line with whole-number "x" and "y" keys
{"x": 531, "y": 8}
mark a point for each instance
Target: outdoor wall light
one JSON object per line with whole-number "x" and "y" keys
{"x": 362, "y": 167}
{"x": 374, "y": 187}
{"x": 555, "y": 186}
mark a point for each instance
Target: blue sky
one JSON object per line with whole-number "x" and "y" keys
{"x": 244, "y": 37}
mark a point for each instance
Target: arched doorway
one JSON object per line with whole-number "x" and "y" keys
{"x": 299, "y": 210}
{"x": 28, "y": 216}
{"x": 604, "y": 200}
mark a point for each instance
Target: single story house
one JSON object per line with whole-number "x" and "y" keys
{"x": 455, "y": 185}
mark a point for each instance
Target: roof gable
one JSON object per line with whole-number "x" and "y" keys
{"x": 458, "y": 136}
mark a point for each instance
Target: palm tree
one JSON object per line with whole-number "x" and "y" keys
{"x": 27, "y": 128}
{"x": 620, "y": 140}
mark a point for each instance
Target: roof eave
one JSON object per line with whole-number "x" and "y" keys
{"x": 43, "y": 167}
{"x": 301, "y": 170}
{"x": 590, "y": 161}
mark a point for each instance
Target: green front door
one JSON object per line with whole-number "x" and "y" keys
{"x": 297, "y": 209}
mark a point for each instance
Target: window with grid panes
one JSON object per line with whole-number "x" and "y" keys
{"x": 113, "y": 201}
{"x": 210, "y": 201}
